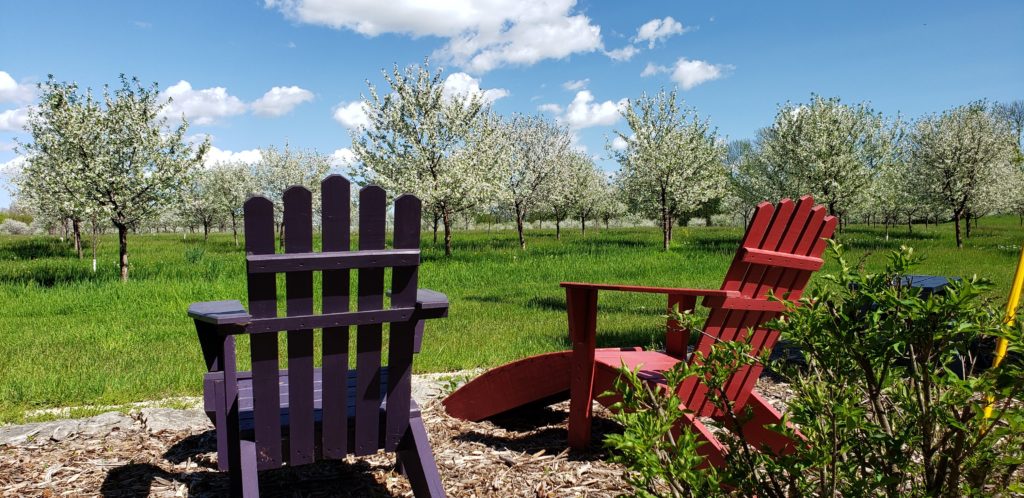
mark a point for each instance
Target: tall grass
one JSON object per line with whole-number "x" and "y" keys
{"x": 69, "y": 336}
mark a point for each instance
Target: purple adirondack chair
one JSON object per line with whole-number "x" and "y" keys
{"x": 267, "y": 417}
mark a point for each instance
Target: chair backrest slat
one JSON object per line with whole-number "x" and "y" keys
{"x": 335, "y": 193}
{"x": 404, "y": 282}
{"x": 298, "y": 225}
{"x": 259, "y": 239}
{"x": 780, "y": 250}
{"x": 372, "y": 218}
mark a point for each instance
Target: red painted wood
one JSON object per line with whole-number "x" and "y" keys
{"x": 650, "y": 290}
{"x": 335, "y": 195}
{"x": 780, "y": 259}
{"x": 298, "y": 224}
{"x": 510, "y": 386}
{"x": 259, "y": 239}
{"x": 581, "y": 304}
{"x": 372, "y": 217}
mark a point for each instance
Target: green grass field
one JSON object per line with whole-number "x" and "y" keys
{"x": 71, "y": 337}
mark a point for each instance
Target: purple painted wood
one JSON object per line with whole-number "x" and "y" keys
{"x": 336, "y": 207}
{"x": 404, "y": 281}
{"x": 228, "y": 416}
{"x": 298, "y": 222}
{"x": 265, "y": 325}
{"x": 259, "y": 239}
{"x": 372, "y": 218}
{"x": 417, "y": 460}
{"x": 332, "y": 260}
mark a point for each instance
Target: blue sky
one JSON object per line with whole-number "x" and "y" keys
{"x": 258, "y": 73}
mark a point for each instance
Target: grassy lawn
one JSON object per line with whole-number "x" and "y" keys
{"x": 71, "y": 337}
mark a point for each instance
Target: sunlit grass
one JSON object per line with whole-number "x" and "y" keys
{"x": 71, "y": 337}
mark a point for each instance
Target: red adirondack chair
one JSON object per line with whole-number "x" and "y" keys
{"x": 268, "y": 417}
{"x": 782, "y": 247}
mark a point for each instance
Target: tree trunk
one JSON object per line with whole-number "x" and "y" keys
{"x": 206, "y": 232}
{"x": 94, "y": 244}
{"x": 583, "y": 226}
{"x": 558, "y": 229}
{"x": 234, "y": 229}
{"x": 910, "y": 224}
{"x": 280, "y": 233}
{"x": 77, "y": 231}
{"x": 956, "y": 224}
{"x": 519, "y": 228}
{"x": 447, "y": 220}
{"x": 436, "y": 220}
{"x": 122, "y": 249}
{"x": 666, "y": 223}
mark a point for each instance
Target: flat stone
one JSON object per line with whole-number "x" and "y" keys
{"x": 14, "y": 435}
{"x": 159, "y": 420}
{"x": 104, "y": 424}
{"x": 60, "y": 431}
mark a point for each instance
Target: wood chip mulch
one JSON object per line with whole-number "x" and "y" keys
{"x": 520, "y": 454}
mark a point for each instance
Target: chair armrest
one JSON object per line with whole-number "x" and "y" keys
{"x": 220, "y": 313}
{"x": 653, "y": 290}
{"x": 431, "y": 304}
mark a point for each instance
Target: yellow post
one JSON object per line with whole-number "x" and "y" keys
{"x": 1011, "y": 315}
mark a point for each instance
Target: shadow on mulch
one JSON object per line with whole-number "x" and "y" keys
{"x": 534, "y": 428}
{"x": 326, "y": 478}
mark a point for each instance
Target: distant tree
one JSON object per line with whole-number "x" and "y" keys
{"x": 230, "y": 185}
{"x": 672, "y": 162}
{"x": 200, "y": 203}
{"x": 1013, "y": 114}
{"x": 129, "y": 163}
{"x": 824, "y": 148}
{"x": 575, "y": 189}
{"x": 279, "y": 169}
{"x": 530, "y": 155}
{"x": 958, "y": 153}
{"x": 64, "y": 139}
{"x": 425, "y": 141}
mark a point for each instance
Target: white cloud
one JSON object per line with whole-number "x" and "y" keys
{"x": 623, "y": 54}
{"x": 690, "y": 73}
{"x": 280, "y": 100}
{"x": 552, "y": 108}
{"x": 464, "y": 84}
{"x": 352, "y": 115}
{"x": 658, "y": 29}
{"x": 13, "y": 166}
{"x": 343, "y": 157}
{"x": 583, "y": 112}
{"x": 216, "y": 155}
{"x": 480, "y": 35}
{"x": 12, "y": 91}
{"x": 651, "y": 69}
{"x": 14, "y": 119}
{"x": 576, "y": 84}
{"x": 201, "y": 107}
{"x": 619, "y": 143}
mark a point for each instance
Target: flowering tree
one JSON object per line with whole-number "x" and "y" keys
{"x": 574, "y": 189}
{"x": 230, "y": 184}
{"x": 200, "y": 203}
{"x": 531, "y": 153}
{"x": 126, "y": 162}
{"x": 958, "y": 153}
{"x": 428, "y": 142}
{"x": 279, "y": 169}
{"x": 672, "y": 162}
{"x": 63, "y": 139}
{"x": 824, "y": 148}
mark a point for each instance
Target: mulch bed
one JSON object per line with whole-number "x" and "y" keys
{"x": 518, "y": 454}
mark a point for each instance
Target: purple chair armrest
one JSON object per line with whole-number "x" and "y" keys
{"x": 219, "y": 313}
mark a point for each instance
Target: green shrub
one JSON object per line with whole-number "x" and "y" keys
{"x": 891, "y": 399}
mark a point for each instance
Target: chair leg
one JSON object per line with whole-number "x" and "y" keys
{"x": 416, "y": 460}
{"x": 581, "y": 305}
{"x": 245, "y": 477}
